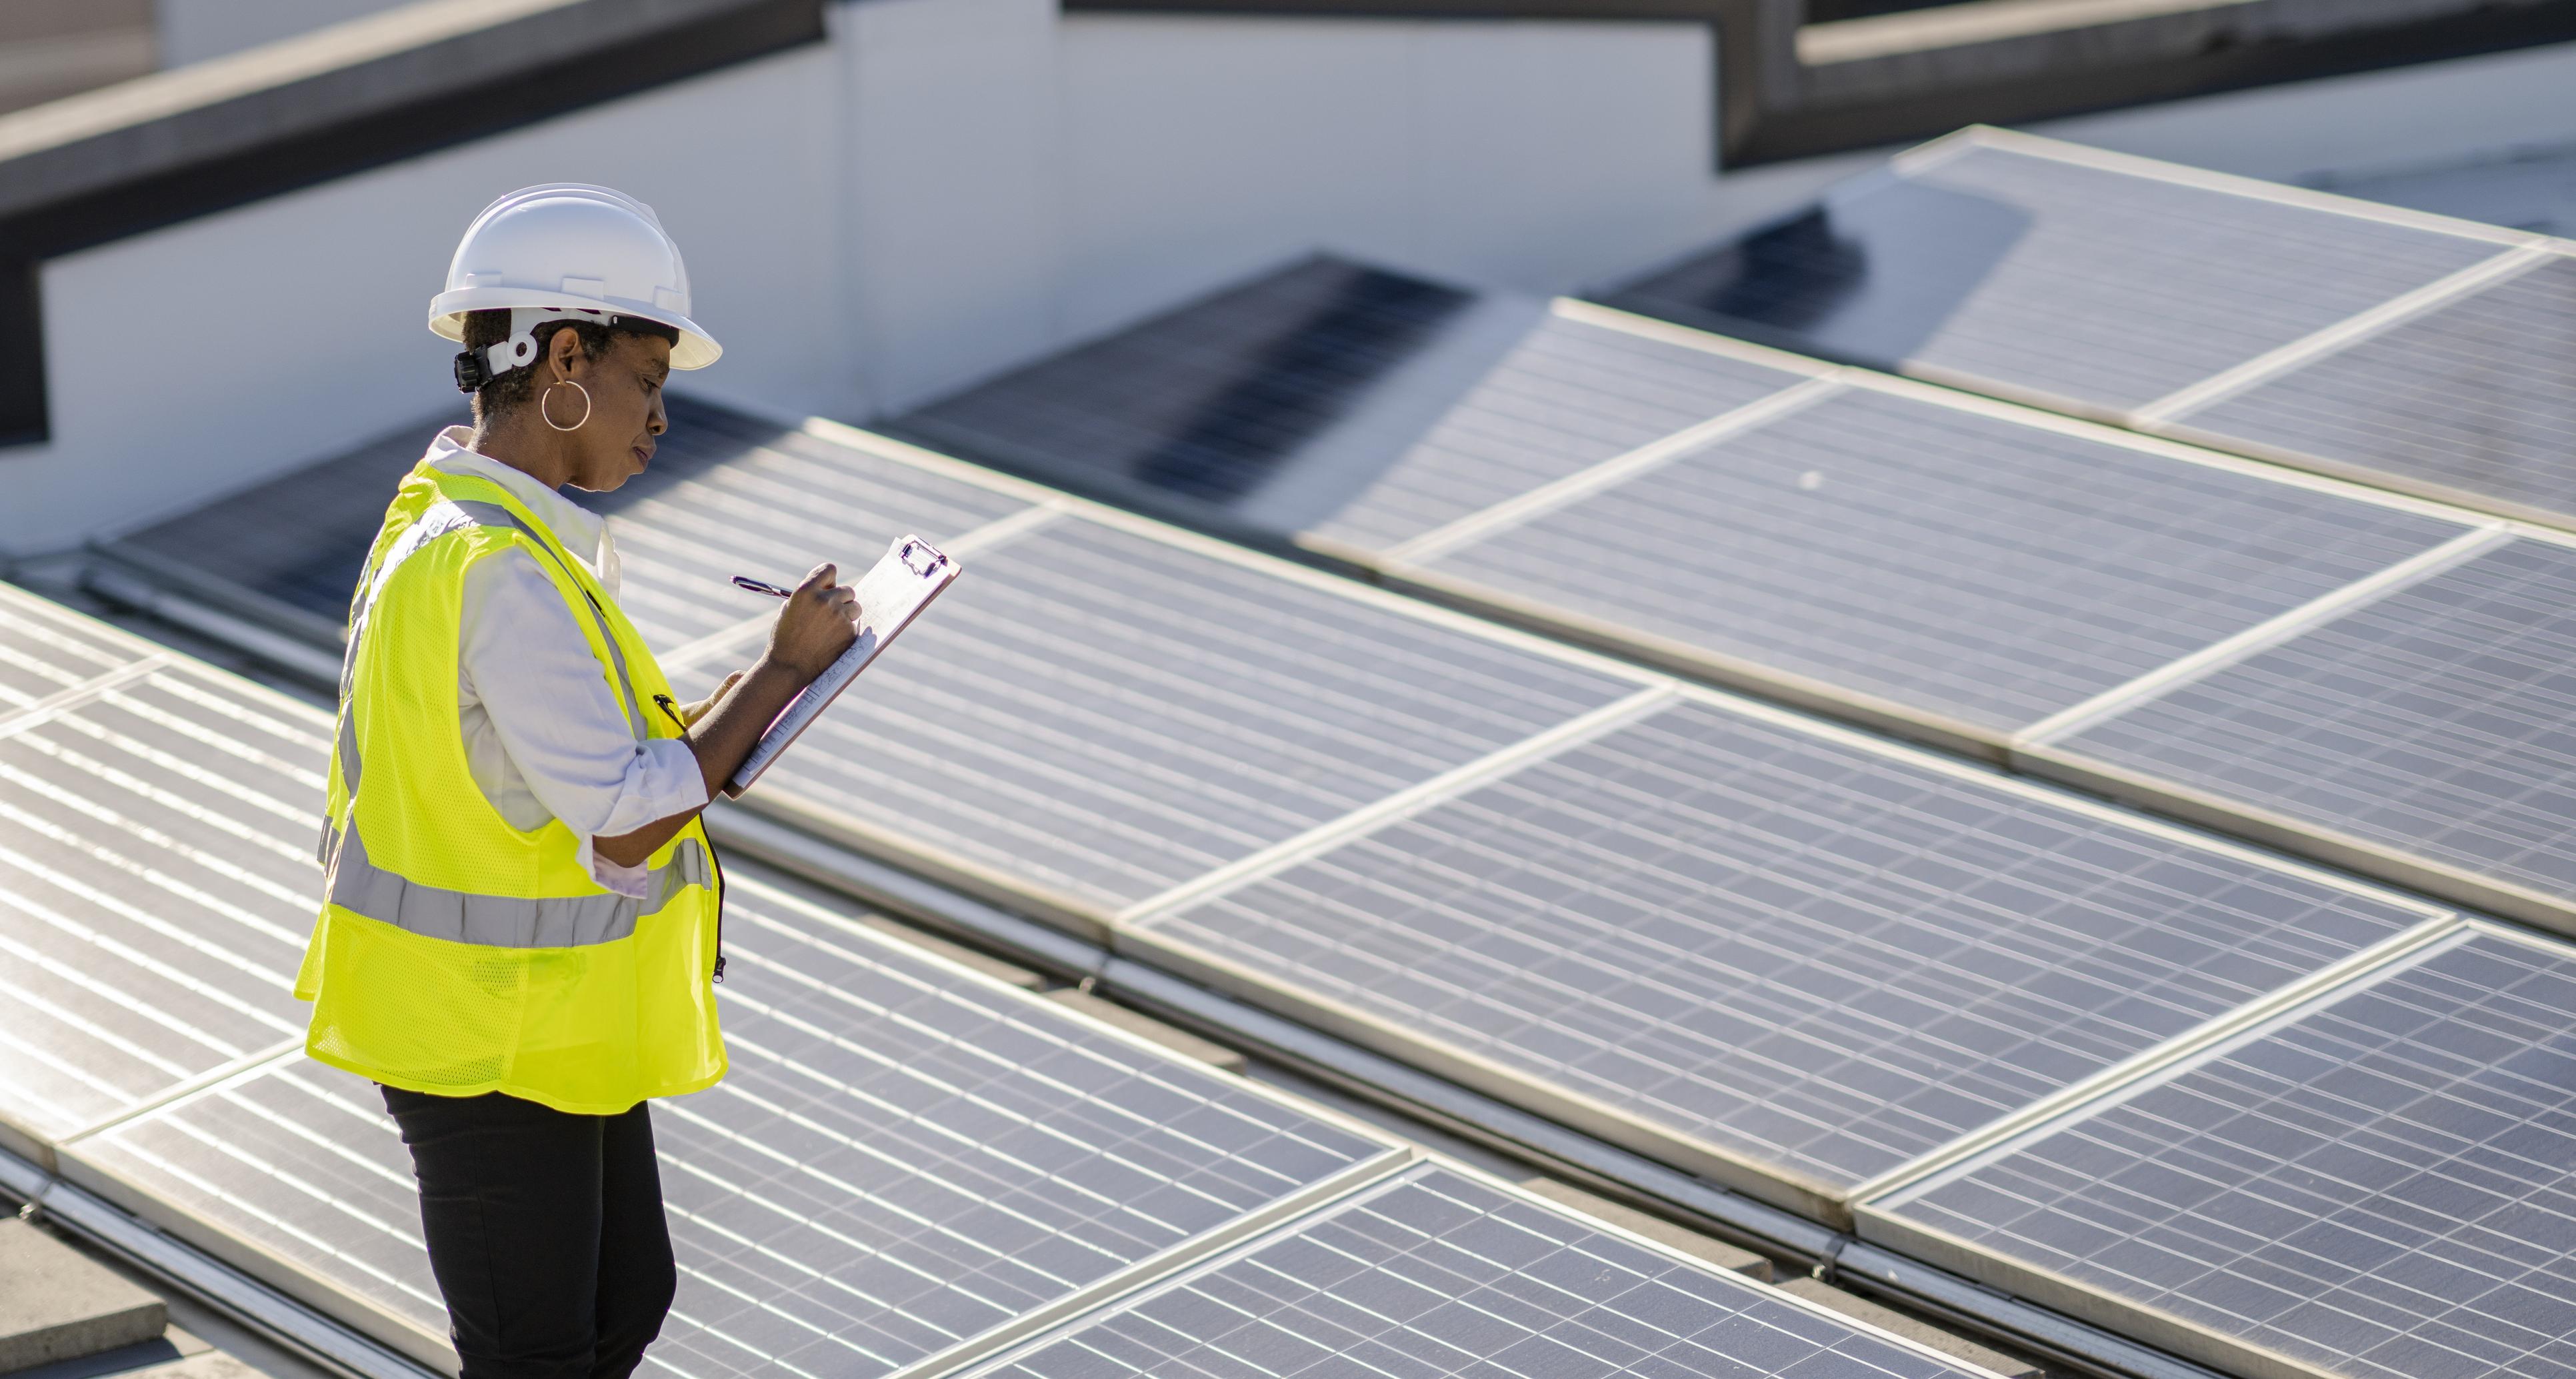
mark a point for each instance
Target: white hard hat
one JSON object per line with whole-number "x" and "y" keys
{"x": 566, "y": 251}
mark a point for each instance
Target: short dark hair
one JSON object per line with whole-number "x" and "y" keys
{"x": 501, "y": 392}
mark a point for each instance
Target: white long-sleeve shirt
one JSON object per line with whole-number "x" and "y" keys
{"x": 545, "y": 737}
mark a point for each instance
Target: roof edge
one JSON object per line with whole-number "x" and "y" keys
{"x": 177, "y": 145}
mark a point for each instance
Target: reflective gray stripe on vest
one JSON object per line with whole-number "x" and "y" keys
{"x": 361, "y": 887}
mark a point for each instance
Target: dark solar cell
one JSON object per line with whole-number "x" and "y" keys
{"x": 1100, "y": 715}
{"x": 2035, "y": 275}
{"x": 2476, "y": 398}
{"x": 900, "y": 1160}
{"x": 1825, "y": 959}
{"x": 1440, "y": 1275}
{"x": 2379, "y": 1188}
{"x": 1955, "y": 563}
{"x": 1346, "y": 402}
{"x": 157, "y": 883}
{"x": 2438, "y": 721}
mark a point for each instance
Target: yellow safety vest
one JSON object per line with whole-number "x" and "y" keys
{"x": 456, "y": 954}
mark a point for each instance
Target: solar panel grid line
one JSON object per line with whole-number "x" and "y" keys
{"x": 30, "y": 620}
{"x": 411, "y": 1330}
{"x": 2298, "y": 838}
{"x": 2252, "y": 188}
{"x": 2386, "y": 955}
{"x": 2216, "y": 843}
{"x": 36, "y": 713}
{"x": 1422, "y": 796}
{"x": 1491, "y": 1280}
{"x": 919, "y": 1022}
{"x": 1981, "y": 401}
{"x": 930, "y": 461}
{"x": 2386, "y": 1133}
{"x": 2417, "y": 748}
{"x": 1615, "y": 470}
{"x": 1695, "y": 663}
{"x": 2432, "y": 296}
{"x": 1672, "y": 333}
{"x": 1770, "y": 1179}
{"x": 1391, "y": 1158}
{"x": 992, "y": 535}
{"x": 2262, "y": 636}
{"x": 1231, "y": 552}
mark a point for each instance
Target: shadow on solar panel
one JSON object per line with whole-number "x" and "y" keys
{"x": 2374, "y": 1186}
{"x": 905, "y": 1162}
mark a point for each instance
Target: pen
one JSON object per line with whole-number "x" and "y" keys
{"x": 762, "y": 587}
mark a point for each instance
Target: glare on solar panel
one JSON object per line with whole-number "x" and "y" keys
{"x": 48, "y": 653}
{"x": 2375, "y": 1185}
{"x": 2422, "y": 735}
{"x": 1786, "y": 957}
{"x": 1445, "y": 1273}
{"x": 906, "y": 1161}
{"x": 2055, "y": 274}
{"x": 157, "y": 883}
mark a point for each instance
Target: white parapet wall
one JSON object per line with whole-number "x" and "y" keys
{"x": 194, "y": 30}
{"x": 948, "y": 188}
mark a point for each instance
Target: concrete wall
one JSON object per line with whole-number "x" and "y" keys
{"x": 202, "y": 358}
{"x": 2339, "y": 128}
{"x": 1095, "y": 168}
{"x": 194, "y": 30}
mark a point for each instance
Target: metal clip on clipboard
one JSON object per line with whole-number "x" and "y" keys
{"x": 890, "y": 595}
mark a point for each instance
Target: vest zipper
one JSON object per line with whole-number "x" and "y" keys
{"x": 714, "y": 858}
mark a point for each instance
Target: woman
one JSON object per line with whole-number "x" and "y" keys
{"x": 522, "y": 912}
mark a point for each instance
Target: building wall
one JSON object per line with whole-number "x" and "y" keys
{"x": 202, "y": 358}
{"x": 194, "y": 30}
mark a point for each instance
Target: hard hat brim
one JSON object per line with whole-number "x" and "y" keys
{"x": 696, "y": 349}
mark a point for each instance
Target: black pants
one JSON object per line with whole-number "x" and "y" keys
{"x": 545, "y": 1232}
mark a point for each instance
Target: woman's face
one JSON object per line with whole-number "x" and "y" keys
{"x": 625, "y": 386}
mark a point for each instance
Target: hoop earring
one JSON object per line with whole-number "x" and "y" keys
{"x": 550, "y": 392}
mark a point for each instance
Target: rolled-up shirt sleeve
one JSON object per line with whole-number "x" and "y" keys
{"x": 524, "y": 661}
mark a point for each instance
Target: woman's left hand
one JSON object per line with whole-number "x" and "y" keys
{"x": 691, "y": 713}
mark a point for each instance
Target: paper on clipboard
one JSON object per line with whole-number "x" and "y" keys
{"x": 890, "y": 596}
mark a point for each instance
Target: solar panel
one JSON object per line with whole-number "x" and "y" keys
{"x": 1955, "y": 563}
{"x": 726, "y": 494}
{"x": 904, "y": 1160}
{"x": 744, "y": 497}
{"x": 2431, "y": 726}
{"x": 1439, "y": 1273}
{"x": 2376, "y": 1186}
{"x": 1345, "y": 404}
{"x": 2048, "y": 272}
{"x": 2475, "y": 399}
{"x": 1093, "y": 715}
{"x": 47, "y": 651}
{"x": 157, "y": 883}
{"x": 1789, "y": 959}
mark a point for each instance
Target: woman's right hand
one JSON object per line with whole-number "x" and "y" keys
{"x": 816, "y": 624}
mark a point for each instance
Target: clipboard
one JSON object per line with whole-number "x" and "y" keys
{"x": 890, "y": 596}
